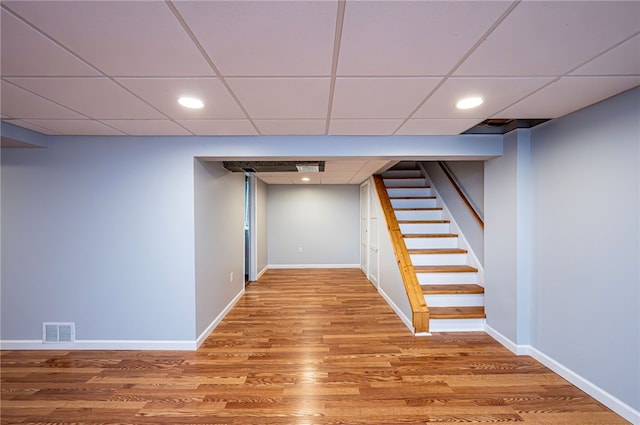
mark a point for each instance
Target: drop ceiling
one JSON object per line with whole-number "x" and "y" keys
{"x": 308, "y": 67}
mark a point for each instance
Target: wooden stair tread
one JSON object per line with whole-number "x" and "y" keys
{"x": 457, "y": 312}
{"x": 408, "y": 187}
{"x": 445, "y": 269}
{"x": 430, "y": 235}
{"x": 419, "y": 209}
{"x": 424, "y": 221}
{"x": 460, "y": 288}
{"x": 411, "y": 197}
{"x": 402, "y": 177}
{"x": 437, "y": 251}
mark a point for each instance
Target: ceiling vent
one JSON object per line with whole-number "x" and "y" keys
{"x": 53, "y": 332}
{"x": 503, "y": 126}
{"x": 275, "y": 166}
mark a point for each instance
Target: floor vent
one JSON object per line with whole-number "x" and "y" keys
{"x": 58, "y": 332}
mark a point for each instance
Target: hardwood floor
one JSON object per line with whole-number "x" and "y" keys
{"x": 301, "y": 347}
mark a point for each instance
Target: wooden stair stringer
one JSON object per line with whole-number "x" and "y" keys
{"x": 419, "y": 309}
{"x": 450, "y": 291}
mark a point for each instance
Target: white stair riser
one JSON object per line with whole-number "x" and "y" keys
{"x": 402, "y": 173}
{"x": 455, "y": 300}
{"x": 430, "y": 243}
{"x": 438, "y": 259}
{"x": 422, "y": 191}
{"x": 430, "y": 278}
{"x": 418, "y": 181}
{"x": 419, "y": 215}
{"x": 456, "y": 325}
{"x": 413, "y": 203}
{"x": 422, "y": 228}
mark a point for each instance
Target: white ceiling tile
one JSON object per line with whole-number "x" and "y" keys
{"x": 34, "y": 127}
{"x": 148, "y": 127}
{"x": 219, "y": 127}
{"x": 332, "y": 179}
{"x": 282, "y": 98}
{"x": 363, "y": 126}
{"x": 163, "y": 94}
{"x": 26, "y": 52}
{"x": 265, "y": 177}
{"x": 265, "y": 38}
{"x": 412, "y": 37}
{"x": 19, "y": 103}
{"x": 568, "y": 95}
{"x": 77, "y": 127}
{"x": 622, "y": 60}
{"x": 552, "y": 37}
{"x": 436, "y": 127}
{"x": 498, "y": 93}
{"x": 98, "y": 98}
{"x": 370, "y": 167}
{"x": 117, "y": 37}
{"x": 379, "y": 97}
{"x": 314, "y": 178}
{"x": 348, "y": 167}
{"x": 291, "y": 127}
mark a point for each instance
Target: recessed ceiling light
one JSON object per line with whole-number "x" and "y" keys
{"x": 306, "y": 179}
{"x": 191, "y": 102}
{"x": 469, "y": 102}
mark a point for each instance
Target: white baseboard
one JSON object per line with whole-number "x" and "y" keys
{"x": 218, "y": 319}
{"x": 506, "y": 342}
{"x": 261, "y": 272}
{"x": 408, "y": 323}
{"x": 99, "y": 345}
{"x": 141, "y": 345}
{"x": 612, "y": 402}
{"x": 314, "y": 266}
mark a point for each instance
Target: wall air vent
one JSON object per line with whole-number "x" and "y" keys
{"x": 56, "y": 332}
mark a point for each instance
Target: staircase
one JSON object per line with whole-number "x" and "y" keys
{"x": 452, "y": 287}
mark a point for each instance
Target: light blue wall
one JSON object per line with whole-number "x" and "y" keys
{"x": 219, "y": 239}
{"x": 501, "y": 240}
{"x": 470, "y": 175}
{"x": 323, "y": 220}
{"x": 469, "y": 226}
{"x": 99, "y": 233}
{"x": 586, "y": 249}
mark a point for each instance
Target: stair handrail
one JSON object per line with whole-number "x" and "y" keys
{"x": 417, "y": 302}
{"x": 463, "y": 196}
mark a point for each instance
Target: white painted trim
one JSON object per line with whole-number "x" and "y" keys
{"x": 408, "y": 323}
{"x": 253, "y": 228}
{"x": 314, "y": 266}
{"x": 261, "y": 272}
{"x": 203, "y": 336}
{"x": 506, "y": 342}
{"x": 456, "y": 325}
{"x": 99, "y": 345}
{"x": 612, "y": 402}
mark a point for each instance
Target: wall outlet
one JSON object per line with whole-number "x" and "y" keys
{"x": 231, "y": 277}
{"x": 299, "y": 250}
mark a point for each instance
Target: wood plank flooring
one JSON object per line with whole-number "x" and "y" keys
{"x": 301, "y": 347}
